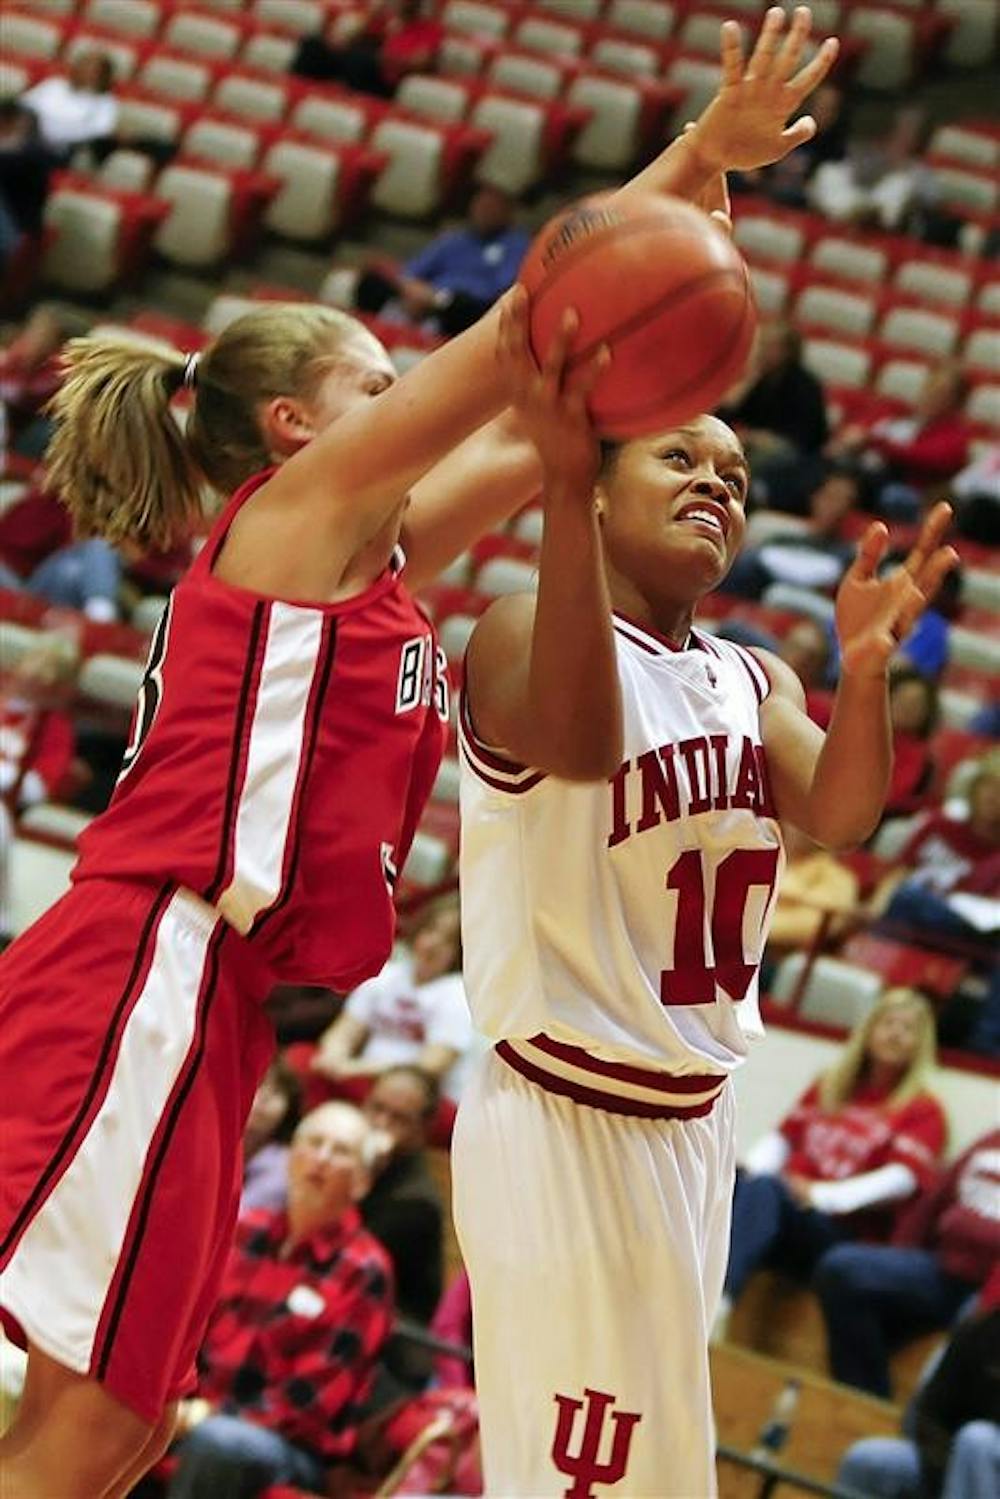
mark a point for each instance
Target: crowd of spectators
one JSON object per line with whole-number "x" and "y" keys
{"x": 339, "y": 1258}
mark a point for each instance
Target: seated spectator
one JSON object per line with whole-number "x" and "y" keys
{"x": 305, "y": 1307}
{"x": 30, "y": 374}
{"x": 452, "y": 1323}
{"x": 458, "y": 276}
{"x": 25, "y": 168}
{"x": 808, "y": 648}
{"x": 952, "y": 1450}
{"x": 809, "y": 554}
{"x": 779, "y": 412}
{"x": 37, "y": 737}
{"x": 371, "y": 50}
{"x": 947, "y": 859}
{"x": 858, "y": 1144}
{"x": 76, "y": 109}
{"x": 273, "y": 1119}
{"x": 414, "y": 1012}
{"x": 402, "y": 1207}
{"x": 787, "y": 181}
{"x": 919, "y": 452}
{"x": 927, "y": 645}
{"x": 816, "y": 894}
{"x": 943, "y": 1249}
{"x": 880, "y": 182}
{"x": 913, "y": 709}
{"x": 38, "y": 555}
{"x": 975, "y": 494}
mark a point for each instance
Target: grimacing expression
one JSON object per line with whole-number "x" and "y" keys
{"x": 677, "y": 501}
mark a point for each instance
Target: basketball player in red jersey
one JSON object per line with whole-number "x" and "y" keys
{"x": 286, "y": 736}
{"x": 624, "y": 781}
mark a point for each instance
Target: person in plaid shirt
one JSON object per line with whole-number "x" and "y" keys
{"x": 305, "y": 1307}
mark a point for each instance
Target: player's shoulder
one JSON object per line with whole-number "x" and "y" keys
{"x": 785, "y": 685}
{"x": 506, "y": 624}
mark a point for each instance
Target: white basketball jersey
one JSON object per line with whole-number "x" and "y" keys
{"x": 629, "y": 917}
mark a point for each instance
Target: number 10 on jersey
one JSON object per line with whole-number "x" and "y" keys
{"x": 710, "y": 952}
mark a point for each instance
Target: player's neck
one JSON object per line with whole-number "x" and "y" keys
{"x": 669, "y": 618}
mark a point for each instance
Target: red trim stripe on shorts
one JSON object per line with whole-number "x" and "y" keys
{"x": 618, "y": 1087}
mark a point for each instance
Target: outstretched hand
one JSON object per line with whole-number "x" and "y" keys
{"x": 746, "y": 124}
{"x": 551, "y": 398}
{"x": 873, "y": 613}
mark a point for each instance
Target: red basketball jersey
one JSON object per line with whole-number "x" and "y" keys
{"x": 280, "y": 757}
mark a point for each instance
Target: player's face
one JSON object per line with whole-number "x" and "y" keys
{"x": 677, "y": 501}
{"x": 895, "y": 1036}
{"x": 361, "y": 371}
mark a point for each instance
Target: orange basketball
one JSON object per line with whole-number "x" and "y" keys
{"x": 663, "y": 286}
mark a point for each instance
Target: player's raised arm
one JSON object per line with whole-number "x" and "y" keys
{"x": 541, "y": 673}
{"x": 834, "y": 787}
{"x": 746, "y": 125}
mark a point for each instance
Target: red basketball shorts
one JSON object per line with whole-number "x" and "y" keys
{"x": 132, "y": 1037}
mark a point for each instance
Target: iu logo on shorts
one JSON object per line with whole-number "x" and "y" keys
{"x": 585, "y": 1466}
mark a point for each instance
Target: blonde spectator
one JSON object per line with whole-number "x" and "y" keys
{"x": 860, "y": 1142}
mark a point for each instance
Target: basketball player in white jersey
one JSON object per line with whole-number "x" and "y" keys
{"x": 624, "y": 780}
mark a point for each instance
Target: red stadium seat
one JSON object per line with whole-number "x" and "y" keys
{"x": 254, "y": 95}
{"x": 139, "y": 19}
{"x": 102, "y": 237}
{"x": 215, "y": 212}
{"x": 429, "y": 164}
{"x": 654, "y": 19}
{"x": 628, "y": 117}
{"x": 906, "y": 963}
{"x": 322, "y": 185}
{"x": 28, "y": 33}
{"x": 176, "y": 75}
{"x": 228, "y": 142}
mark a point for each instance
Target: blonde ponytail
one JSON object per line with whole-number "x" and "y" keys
{"x": 118, "y": 459}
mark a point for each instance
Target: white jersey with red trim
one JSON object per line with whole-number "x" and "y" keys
{"x": 618, "y": 927}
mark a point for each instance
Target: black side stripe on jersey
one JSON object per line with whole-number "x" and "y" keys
{"x": 753, "y": 671}
{"x": 105, "y": 1061}
{"x": 141, "y": 1208}
{"x": 237, "y": 754}
{"x": 314, "y": 714}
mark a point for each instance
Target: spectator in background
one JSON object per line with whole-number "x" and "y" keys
{"x": 926, "y": 646}
{"x": 913, "y": 708}
{"x": 402, "y": 1207}
{"x": 914, "y": 454}
{"x": 25, "y": 168}
{"x": 787, "y": 181}
{"x": 809, "y": 554}
{"x": 942, "y": 1251}
{"x": 305, "y": 1307}
{"x": 859, "y": 1143}
{"x": 30, "y": 374}
{"x": 371, "y": 50}
{"x": 39, "y": 556}
{"x": 779, "y": 414}
{"x": 272, "y": 1121}
{"x": 452, "y": 1323}
{"x": 952, "y": 1450}
{"x": 414, "y": 1012}
{"x": 816, "y": 893}
{"x": 975, "y": 493}
{"x": 459, "y": 275}
{"x": 880, "y": 181}
{"x": 37, "y": 743}
{"x": 76, "y": 109}
{"x": 808, "y": 648}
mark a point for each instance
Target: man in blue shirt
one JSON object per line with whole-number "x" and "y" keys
{"x": 459, "y": 275}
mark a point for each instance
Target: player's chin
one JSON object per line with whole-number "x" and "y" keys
{"x": 702, "y": 560}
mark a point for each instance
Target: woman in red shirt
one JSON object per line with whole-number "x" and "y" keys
{"x": 862, "y": 1139}
{"x": 913, "y": 708}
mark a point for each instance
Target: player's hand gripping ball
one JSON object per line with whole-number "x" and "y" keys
{"x": 663, "y": 286}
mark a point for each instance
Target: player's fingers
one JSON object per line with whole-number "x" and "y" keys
{"x": 798, "y": 133}
{"x": 723, "y": 220}
{"x": 557, "y": 355}
{"x": 932, "y": 533}
{"x": 935, "y": 570}
{"x": 513, "y": 344}
{"x": 871, "y": 550}
{"x": 798, "y": 34}
{"x": 815, "y": 69}
{"x": 763, "y": 56}
{"x": 586, "y": 375}
{"x": 731, "y": 52}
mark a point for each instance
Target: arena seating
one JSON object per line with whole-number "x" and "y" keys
{"x": 523, "y": 93}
